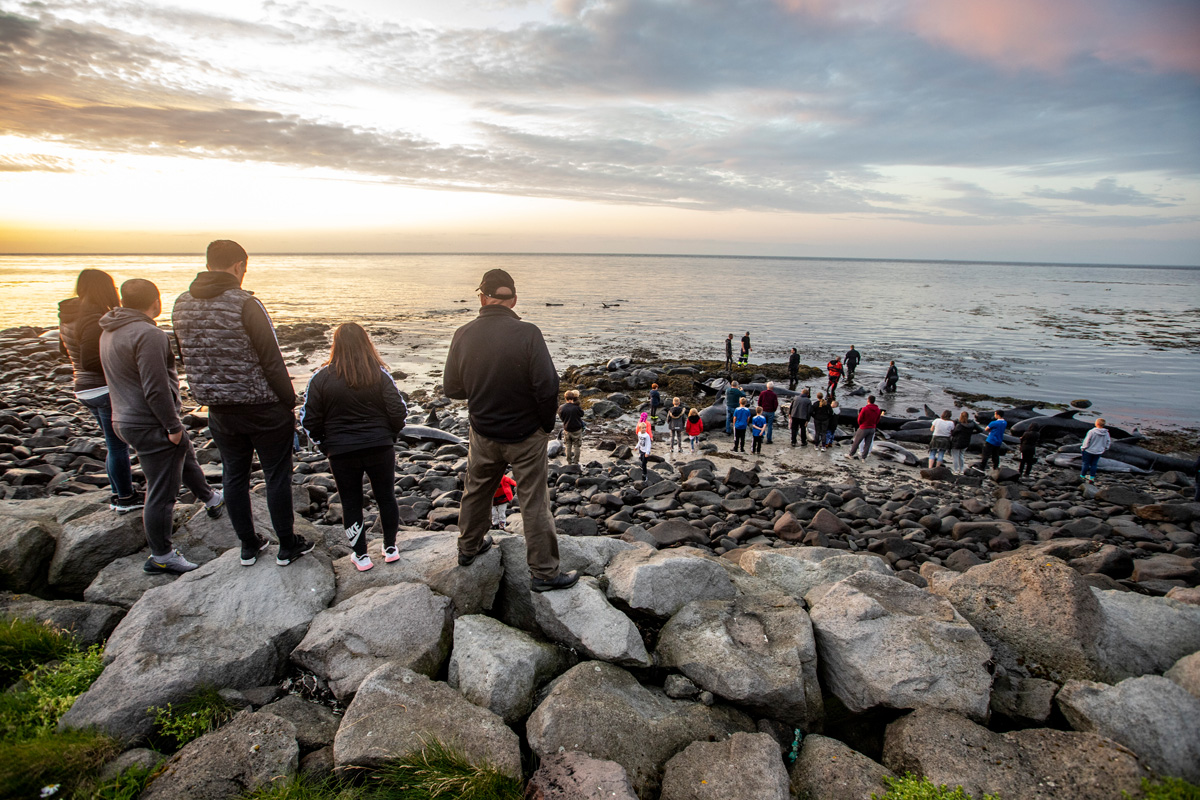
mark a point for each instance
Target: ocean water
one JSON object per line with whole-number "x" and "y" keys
{"x": 1127, "y": 338}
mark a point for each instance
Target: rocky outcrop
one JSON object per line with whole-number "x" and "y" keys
{"x": 578, "y": 776}
{"x": 582, "y": 618}
{"x": 746, "y": 766}
{"x": 799, "y": 570}
{"x": 826, "y": 769}
{"x": 661, "y": 583}
{"x": 88, "y": 623}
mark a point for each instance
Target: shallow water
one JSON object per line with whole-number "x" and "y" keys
{"x": 1126, "y": 338}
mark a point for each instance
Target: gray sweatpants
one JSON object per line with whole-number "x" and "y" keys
{"x": 166, "y": 465}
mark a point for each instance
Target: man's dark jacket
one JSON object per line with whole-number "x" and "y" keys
{"x": 502, "y": 367}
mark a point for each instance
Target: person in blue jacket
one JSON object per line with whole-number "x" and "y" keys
{"x": 994, "y": 441}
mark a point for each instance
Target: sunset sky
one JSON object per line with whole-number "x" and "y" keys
{"x": 1026, "y": 130}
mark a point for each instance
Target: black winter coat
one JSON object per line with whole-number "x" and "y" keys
{"x": 341, "y": 419}
{"x": 79, "y": 340}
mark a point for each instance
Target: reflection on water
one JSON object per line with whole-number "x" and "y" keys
{"x": 1124, "y": 337}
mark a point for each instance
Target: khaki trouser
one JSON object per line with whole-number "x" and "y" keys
{"x": 486, "y": 462}
{"x": 573, "y": 441}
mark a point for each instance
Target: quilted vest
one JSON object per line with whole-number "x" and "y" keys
{"x": 221, "y": 362}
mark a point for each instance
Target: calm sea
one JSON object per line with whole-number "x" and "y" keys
{"x": 1126, "y": 338}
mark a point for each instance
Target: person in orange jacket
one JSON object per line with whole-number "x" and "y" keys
{"x": 500, "y": 501}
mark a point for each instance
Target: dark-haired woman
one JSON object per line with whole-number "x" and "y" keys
{"x": 79, "y": 339}
{"x": 353, "y": 411}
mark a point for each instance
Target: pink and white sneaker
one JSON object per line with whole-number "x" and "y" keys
{"x": 363, "y": 562}
{"x": 391, "y": 554}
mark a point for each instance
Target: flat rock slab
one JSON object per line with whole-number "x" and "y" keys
{"x": 222, "y": 625}
{"x": 123, "y": 582}
{"x": 430, "y": 558}
{"x": 406, "y": 624}
{"x": 799, "y": 570}
{"x": 675, "y": 532}
{"x": 602, "y": 710}
{"x": 1144, "y": 635}
{"x": 746, "y": 766}
{"x": 1032, "y": 764}
{"x": 661, "y": 583}
{"x": 396, "y": 707}
{"x": 86, "y": 545}
{"x": 89, "y": 623}
{"x": 757, "y": 652}
{"x": 1186, "y": 673}
{"x": 1152, "y": 716}
{"x": 250, "y": 751}
{"x": 578, "y": 776}
{"x": 884, "y": 642}
{"x": 582, "y": 618}
{"x": 826, "y": 769}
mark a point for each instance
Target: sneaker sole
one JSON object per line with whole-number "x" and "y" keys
{"x": 125, "y": 509}
{"x": 250, "y": 562}
{"x": 361, "y": 568}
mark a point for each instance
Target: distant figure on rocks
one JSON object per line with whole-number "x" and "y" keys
{"x": 502, "y": 368}
{"x": 655, "y": 402}
{"x": 758, "y": 428}
{"x": 793, "y": 370}
{"x": 868, "y": 422}
{"x": 733, "y": 396}
{"x": 994, "y": 441}
{"x": 140, "y": 369}
{"x": 770, "y": 406}
{"x": 1095, "y": 444}
{"x": 1029, "y": 443}
{"x": 821, "y": 415}
{"x": 798, "y": 414}
{"x": 960, "y": 441}
{"x": 500, "y": 501}
{"x": 675, "y": 424}
{"x": 234, "y": 366}
{"x": 741, "y": 421}
{"x": 354, "y": 412}
{"x": 729, "y": 353}
{"x": 891, "y": 378}
{"x": 571, "y": 415}
{"x": 744, "y": 357}
{"x": 835, "y": 370}
{"x": 644, "y": 444}
{"x": 851, "y": 361}
{"x": 943, "y": 430}
{"x": 831, "y": 428}
{"x": 694, "y": 427}
{"x": 79, "y": 340}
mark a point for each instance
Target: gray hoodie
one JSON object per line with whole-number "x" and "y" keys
{"x": 1096, "y": 442}
{"x": 140, "y": 368}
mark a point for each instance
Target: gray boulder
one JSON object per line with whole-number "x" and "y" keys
{"x": 602, "y": 710}
{"x": 1031, "y": 764}
{"x": 500, "y": 668}
{"x": 90, "y": 623}
{"x": 406, "y": 624}
{"x": 123, "y": 582}
{"x": 799, "y": 570}
{"x": 178, "y": 638}
{"x": 315, "y": 724}
{"x": 582, "y": 618}
{"x": 85, "y": 545}
{"x": 1186, "y": 673}
{"x": 578, "y": 776}
{"x": 248, "y": 752}
{"x": 430, "y": 558}
{"x": 1152, "y": 716}
{"x": 676, "y": 531}
{"x": 1145, "y": 634}
{"x": 396, "y": 710}
{"x": 756, "y": 652}
{"x": 826, "y": 769}
{"x": 884, "y": 642}
{"x": 1027, "y": 700}
{"x": 26, "y": 547}
{"x": 746, "y": 766}
{"x": 661, "y": 583}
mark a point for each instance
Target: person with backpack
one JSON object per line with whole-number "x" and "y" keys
{"x": 675, "y": 424}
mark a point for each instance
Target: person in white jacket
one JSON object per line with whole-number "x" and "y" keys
{"x": 1095, "y": 444}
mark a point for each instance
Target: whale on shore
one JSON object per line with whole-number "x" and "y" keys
{"x": 1138, "y": 457}
{"x": 1064, "y": 423}
{"x": 1075, "y": 461}
{"x": 893, "y": 452}
{"x": 423, "y": 433}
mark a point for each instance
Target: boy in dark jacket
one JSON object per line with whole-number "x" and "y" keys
{"x": 655, "y": 402}
{"x": 1029, "y": 443}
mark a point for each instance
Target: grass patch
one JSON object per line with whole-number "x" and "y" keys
{"x": 1168, "y": 789}
{"x": 63, "y": 759}
{"x": 303, "y": 787}
{"x": 129, "y": 785}
{"x": 49, "y": 692}
{"x": 177, "y": 724}
{"x": 26, "y": 643}
{"x": 910, "y": 787}
{"x": 439, "y": 772}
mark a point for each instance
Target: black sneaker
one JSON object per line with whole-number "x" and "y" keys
{"x": 466, "y": 561}
{"x": 287, "y": 555}
{"x": 214, "y": 506}
{"x": 250, "y": 551}
{"x": 563, "y": 580}
{"x": 123, "y": 505}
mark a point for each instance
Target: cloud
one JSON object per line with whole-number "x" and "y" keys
{"x": 1106, "y": 192}
{"x": 34, "y": 163}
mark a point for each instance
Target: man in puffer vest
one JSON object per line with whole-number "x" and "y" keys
{"x": 234, "y": 367}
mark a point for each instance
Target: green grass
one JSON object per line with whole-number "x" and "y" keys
{"x": 26, "y": 643}
{"x": 303, "y": 787}
{"x": 910, "y": 787}
{"x": 177, "y": 724}
{"x": 1168, "y": 789}
{"x": 129, "y": 785}
{"x": 65, "y": 759}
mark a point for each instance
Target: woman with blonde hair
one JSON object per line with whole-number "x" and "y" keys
{"x": 354, "y": 412}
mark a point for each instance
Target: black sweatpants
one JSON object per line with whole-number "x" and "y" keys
{"x": 992, "y": 451}
{"x": 165, "y": 465}
{"x": 800, "y": 426}
{"x": 739, "y": 439}
{"x": 1027, "y": 459}
{"x": 379, "y": 465}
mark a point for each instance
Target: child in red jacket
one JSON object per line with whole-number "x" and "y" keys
{"x": 500, "y": 501}
{"x": 694, "y": 426}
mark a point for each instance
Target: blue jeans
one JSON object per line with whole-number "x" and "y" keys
{"x": 770, "y": 415}
{"x": 729, "y": 419}
{"x": 1090, "y": 462}
{"x": 120, "y": 475}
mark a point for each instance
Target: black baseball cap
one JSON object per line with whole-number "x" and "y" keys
{"x": 498, "y": 284}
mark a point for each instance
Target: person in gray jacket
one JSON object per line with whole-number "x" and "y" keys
{"x": 798, "y": 415}
{"x": 143, "y": 386}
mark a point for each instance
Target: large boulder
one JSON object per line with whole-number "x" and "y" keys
{"x": 406, "y": 624}
{"x": 430, "y": 558}
{"x": 884, "y": 642}
{"x": 202, "y": 538}
{"x": 250, "y": 751}
{"x": 89, "y": 623}
{"x": 1186, "y": 673}
{"x": 26, "y": 547}
{"x": 397, "y": 710}
{"x": 123, "y": 582}
{"x": 500, "y": 668}
{"x": 582, "y": 618}
{"x": 661, "y": 583}
{"x": 86, "y": 545}
{"x": 756, "y": 652}
{"x": 826, "y": 769}
{"x": 222, "y": 625}
{"x": 799, "y": 570}
{"x": 674, "y": 532}
{"x": 315, "y": 724}
{"x": 602, "y": 710}
{"x": 746, "y": 766}
{"x": 1152, "y": 716}
{"x": 1032, "y": 764}
{"x": 1145, "y": 634}
{"x": 578, "y": 776}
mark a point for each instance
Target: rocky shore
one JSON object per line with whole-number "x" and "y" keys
{"x": 790, "y": 625}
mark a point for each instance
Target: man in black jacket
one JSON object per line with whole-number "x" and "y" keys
{"x": 851, "y": 362}
{"x": 502, "y": 367}
{"x": 234, "y": 367}
{"x": 793, "y": 370}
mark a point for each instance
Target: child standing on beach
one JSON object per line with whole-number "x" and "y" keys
{"x": 831, "y": 429}
{"x": 644, "y": 443}
{"x": 1095, "y": 444}
{"x": 675, "y": 424}
{"x": 1029, "y": 443}
{"x": 500, "y": 501}
{"x": 741, "y": 421}
{"x": 655, "y": 402}
{"x": 758, "y": 429}
{"x": 694, "y": 427}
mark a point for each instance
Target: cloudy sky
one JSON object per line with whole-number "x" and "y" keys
{"x": 953, "y": 129}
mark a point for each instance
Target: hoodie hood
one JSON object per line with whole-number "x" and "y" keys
{"x": 120, "y": 317}
{"x": 208, "y": 285}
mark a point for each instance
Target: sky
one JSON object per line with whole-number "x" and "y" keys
{"x": 1013, "y": 130}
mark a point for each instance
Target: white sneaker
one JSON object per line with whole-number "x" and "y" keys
{"x": 363, "y": 562}
{"x": 391, "y": 554}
